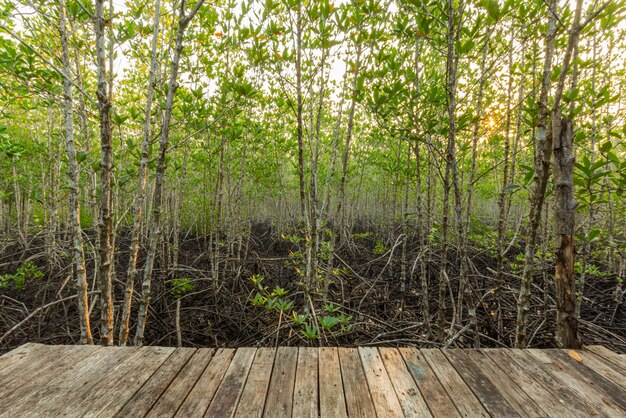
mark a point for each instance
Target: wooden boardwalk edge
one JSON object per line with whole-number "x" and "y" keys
{"x": 79, "y": 381}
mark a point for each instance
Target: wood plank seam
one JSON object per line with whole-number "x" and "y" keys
{"x": 357, "y": 394}
{"x": 269, "y": 381}
{"x": 258, "y": 378}
{"x": 174, "y": 379}
{"x": 575, "y": 381}
{"x": 229, "y": 382}
{"x": 144, "y": 382}
{"x": 477, "y": 408}
{"x": 195, "y": 382}
{"x": 343, "y": 384}
{"x": 282, "y": 383}
{"x": 164, "y": 389}
{"x": 417, "y": 384}
{"x": 479, "y": 383}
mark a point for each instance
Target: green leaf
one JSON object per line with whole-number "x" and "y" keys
{"x": 554, "y": 75}
{"x": 328, "y": 322}
{"x": 511, "y": 187}
{"x": 570, "y": 95}
{"x": 310, "y": 332}
{"x": 593, "y": 235}
{"x": 493, "y": 9}
{"x": 606, "y": 147}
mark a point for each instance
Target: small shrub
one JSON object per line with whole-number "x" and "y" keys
{"x": 180, "y": 287}
{"x": 379, "y": 248}
{"x": 25, "y": 273}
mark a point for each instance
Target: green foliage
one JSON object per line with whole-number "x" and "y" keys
{"x": 379, "y": 248}
{"x": 298, "y": 319}
{"x": 274, "y": 299}
{"x": 590, "y": 270}
{"x": 330, "y": 308}
{"x": 310, "y": 332}
{"x": 362, "y": 235}
{"x": 26, "y": 273}
{"x": 328, "y": 322}
{"x": 181, "y": 287}
{"x": 493, "y": 10}
{"x": 330, "y": 318}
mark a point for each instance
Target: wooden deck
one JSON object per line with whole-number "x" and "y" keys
{"x": 78, "y": 381}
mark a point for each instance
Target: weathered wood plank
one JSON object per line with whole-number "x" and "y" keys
{"x": 332, "y": 400}
{"x": 514, "y": 394}
{"x": 179, "y": 388}
{"x": 434, "y": 393}
{"x": 523, "y": 404}
{"x": 480, "y": 384}
{"x": 605, "y": 353}
{"x": 201, "y": 393}
{"x": 18, "y": 354}
{"x": 568, "y": 377}
{"x": 279, "y": 402}
{"x": 23, "y": 384}
{"x": 70, "y": 385}
{"x": 385, "y": 399}
{"x": 590, "y": 376}
{"x": 36, "y": 366}
{"x": 413, "y": 404}
{"x": 255, "y": 389}
{"x": 97, "y": 389}
{"x": 305, "y": 394}
{"x": 600, "y": 366}
{"x": 225, "y": 401}
{"x": 119, "y": 386}
{"x": 566, "y": 396}
{"x": 531, "y": 384}
{"x": 22, "y": 359}
{"x": 358, "y": 398}
{"x": 464, "y": 399}
{"x": 151, "y": 391}
{"x": 21, "y": 350}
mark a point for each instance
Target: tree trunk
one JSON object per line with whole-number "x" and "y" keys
{"x": 105, "y": 223}
{"x": 545, "y": 140}
{"x": 502, "y": 199}
{"x": 74, "y": 191}
{"x": 140, "y": 199}
{"x": 155, "y": 231}
{"x": 543, "y": 150}
{"x": 451, "y": 171}
{"x": 565, "y": 211}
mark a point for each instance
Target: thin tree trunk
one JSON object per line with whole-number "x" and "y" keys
{"x": 155, "y": 232}
{"x": 345, "y": 158}
{"x": 74, "y": 191}
{"x": 502, "y": 199}
{"x": 545, "y": 139}
{"x": 179, "y": 335}
{"x": 451, "y": 174}
{"x": 140, "y": 199}
{"x": 105, "y": 223}
{"x": 543, "y": 152}
{"x": 422, "y": 232}
{"x": 586, "y": 253}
